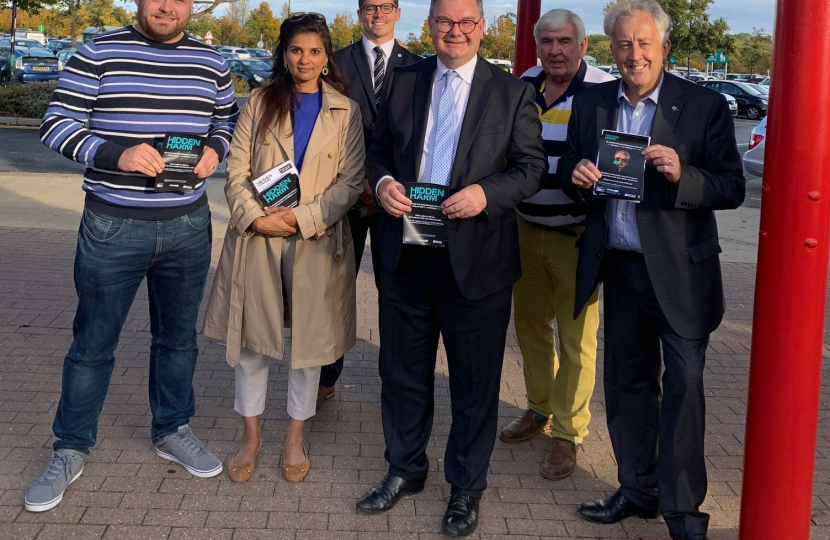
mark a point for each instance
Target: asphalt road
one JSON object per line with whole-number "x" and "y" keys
{"x": 22, "y": 151}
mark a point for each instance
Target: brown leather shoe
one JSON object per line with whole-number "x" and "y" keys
{"x": 324, "y": 393}
{"x": 295, "y": 473}
{"x": 523, "y": 428}
{"x": 242, "y": 473}
{"x": 560, "y": 459}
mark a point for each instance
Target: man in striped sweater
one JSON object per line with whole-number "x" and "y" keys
{"x": 559, "y": 387}
{"x": 117, "y": 98}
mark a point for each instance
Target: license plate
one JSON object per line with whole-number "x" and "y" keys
{"x": 41, "y": 68}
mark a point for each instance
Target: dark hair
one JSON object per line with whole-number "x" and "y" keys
{"x": 278, "y": 94}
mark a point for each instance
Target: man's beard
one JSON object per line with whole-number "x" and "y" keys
{"x": 145, "y": 23}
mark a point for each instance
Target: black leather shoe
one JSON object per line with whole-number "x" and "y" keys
{"x": 688, "y": 536}
{"x": 383, "y": 496}
{"x": 613, "y": 509}
{"x": 461, "y": 517}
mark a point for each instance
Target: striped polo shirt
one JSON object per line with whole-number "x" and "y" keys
{"x": 550, "y": 206}
{"x": 122, "y": 89}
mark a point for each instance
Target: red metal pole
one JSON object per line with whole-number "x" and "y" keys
{"x": 791, "y": 286}
{"x": 527, "y": 14}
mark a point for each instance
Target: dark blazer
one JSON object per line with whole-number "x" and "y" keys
{"x": 678, "y": 231}
{"x": 500, "y": 148}
{"x": 355, "y": 67}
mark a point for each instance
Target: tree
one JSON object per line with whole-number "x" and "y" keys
{"x": 692, "y": 32}
{"x": 228, "y": 31}
{"x": 122, "y": 16}
{"x": 414, "y": 44}
{"x": 262, "y": 22}
{"x": 756, "y": 52}
{"x": 29, "y": 6}
{"x": 201, "y": 25}
{"x": 599, "y": 46}
{"x": 342, "y": 30}
{"x": 500, "y": 38}
{"x": 426, "y": 39}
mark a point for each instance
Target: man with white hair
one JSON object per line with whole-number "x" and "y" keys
{"x": 659, "y": 264}
{"x": 559, "y": 388}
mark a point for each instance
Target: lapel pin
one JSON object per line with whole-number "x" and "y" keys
{"x": 399, "y": 55}
{"x": 674, "y": 108}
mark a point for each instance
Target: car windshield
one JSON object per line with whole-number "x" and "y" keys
{"x": 20, "y": 42}
{"x": 763, "y": 89}
{"x": 749, "y": 89}
{"x": 256, "y": 65}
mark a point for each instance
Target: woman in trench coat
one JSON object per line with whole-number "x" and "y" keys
{"x": 301, "y": 257}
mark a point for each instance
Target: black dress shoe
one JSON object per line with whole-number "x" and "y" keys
{"x": 383, "y": 496}
{"x": 615, "y": 508}
{"x": 461, "y": 517}
{"x": 688, "y": 536}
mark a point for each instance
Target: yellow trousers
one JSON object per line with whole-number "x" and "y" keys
{"x": 558, "y": 385}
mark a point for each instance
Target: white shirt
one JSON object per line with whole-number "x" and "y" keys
{"x": 369, "y": 49}
{"x": 461, "y": 87}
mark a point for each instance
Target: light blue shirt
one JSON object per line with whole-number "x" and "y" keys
{"x": 621, "y": 215}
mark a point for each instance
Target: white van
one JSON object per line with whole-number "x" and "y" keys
{"x": 506, "y": 65}
{"x": 25, "y": 33}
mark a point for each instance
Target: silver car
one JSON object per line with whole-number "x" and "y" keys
{"x": 732, "y": 103}
{"x": 754, "y": 156}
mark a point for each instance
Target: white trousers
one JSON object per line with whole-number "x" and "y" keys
{"x": 252, "y": 370}
{"x": 252, "y": 387}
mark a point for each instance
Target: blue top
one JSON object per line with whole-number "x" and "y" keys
{"x": 307, "y": 107}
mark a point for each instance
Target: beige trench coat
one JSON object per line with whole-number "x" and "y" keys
{"x": 245, "y": 308}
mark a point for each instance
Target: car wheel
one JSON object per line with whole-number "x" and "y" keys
{"x": 753, "y": 113}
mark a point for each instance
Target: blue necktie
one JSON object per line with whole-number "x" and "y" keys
{"x": 444, "y": 133}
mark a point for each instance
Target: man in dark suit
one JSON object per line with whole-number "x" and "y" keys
{"x": 458, "y": 121}
{"x": 368, "y": 65}
{"x": 659, "y": 263}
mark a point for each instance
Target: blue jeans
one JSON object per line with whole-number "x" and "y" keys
{"x": 112, "y": 258}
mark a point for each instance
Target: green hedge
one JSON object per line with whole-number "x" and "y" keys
{"x": 28, "y": 100}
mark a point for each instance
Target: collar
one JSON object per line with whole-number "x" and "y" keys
{"x": 369, "y": 48}
{"x": 653, "y": 96}
{"x": 465, "y": 72}
{"x": 332, "y": 99}
{"x": 574, "y": 87}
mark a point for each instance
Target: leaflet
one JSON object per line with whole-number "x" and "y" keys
{"x": 426, "y": 225}
{"x": 279, "y": 186}
{"x": 180, "y": 152}
{"x": 621, "y": 162}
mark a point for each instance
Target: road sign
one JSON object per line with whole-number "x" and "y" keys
{"x": 40, "y": 28}
{"x": 672, "y": 60}
{"x": 260, "y": 44}
{"x": 721, "y": 58}
{"x": 710, "y": 59}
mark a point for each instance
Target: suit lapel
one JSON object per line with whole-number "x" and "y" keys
{"x": 480, "y": 92}
{"x": 607, "y": 111}
{"x": 669, "y": 107}
{"x": 362, "y": 65}
{"x": 422, "y": 94}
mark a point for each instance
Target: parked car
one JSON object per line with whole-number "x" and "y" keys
{"x": 228, "y": 55}
{"x": 732, "y": 103}
{"x": 760, "y": 87}
{"x": 255, "y": 72}
{"x": 752, "y": 103}
{"x": 615, "y": 73}
{"x": 22, "y": 42}
{"x": 57, "y": 45}
{"x": 5, "y": 69}
{"x": 33, "y": 65}
{"x": 259, "y": 53}
{"x": 754, "y": 156}
{"x": 238, "y": 51}
{"x": 65, "y": 55}
{"x": 765, "y": 82}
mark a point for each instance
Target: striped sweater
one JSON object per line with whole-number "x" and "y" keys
{"x": 122, "y": 89}
{"x": 550, "y": 206}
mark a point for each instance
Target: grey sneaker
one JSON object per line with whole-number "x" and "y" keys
{"x": 185, "y": 449}
{"x": 47, "y": 491}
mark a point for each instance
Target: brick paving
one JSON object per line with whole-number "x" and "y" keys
{"x": 127, "y": 492}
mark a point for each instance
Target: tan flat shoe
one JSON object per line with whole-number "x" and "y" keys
{"x": 243, "y": 473}
{"x": 295, "y": 473}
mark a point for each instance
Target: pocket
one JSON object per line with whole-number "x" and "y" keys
{"x": 199, "y": 219}
{"x": 489, "y": 130}
{"x": 704, "y": 250}
{"x": 100, "y": 227}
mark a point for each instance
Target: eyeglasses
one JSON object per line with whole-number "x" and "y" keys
{"x": 445, "y": 25}
{"x": 371, "y": 9}
{"x": 300, "y": 15}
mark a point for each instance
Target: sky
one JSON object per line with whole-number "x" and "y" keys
{"x": 742, "y": 15}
